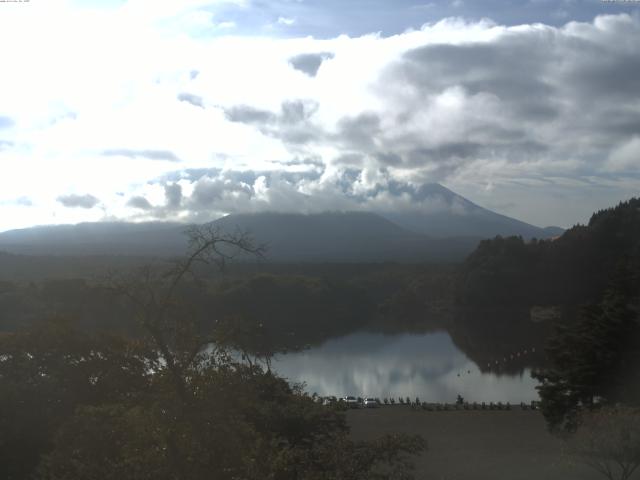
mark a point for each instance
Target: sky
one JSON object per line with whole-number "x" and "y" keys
{"x": 191, "y": 109}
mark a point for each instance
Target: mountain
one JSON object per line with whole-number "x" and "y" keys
{"x": 324, "y": 237}
{"x": 451, "y": 215}
{"x": 447, "y": 227}
{"x": 98, "y": 238}
{"x": 343, "y": 237}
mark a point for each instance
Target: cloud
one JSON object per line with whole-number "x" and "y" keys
{"x": 6, "y": 122}
{"x": 208, "y": 194}
{"x": 307, "y": 161}
{"x": 495, "y": 112}
{"x": 473, "y": 105}
{"x": 173, "y": 195}
{"x": 78, "y": 201}
{"x": 227, "y": 24}
{"x": 248, "y": 114}
{"x": 150, "y": 154}
{"x": 286, "y": 21}
{"x": 297, "y": 111}
{"x": 522, "y": 101}
{"x": 24, "y": 202}
{"x": 140, "y": 203}
{"x": 293, "y": 124}
{"x": 208, "y": 191}
{"x": 309, "y": 63}
{"x": 359, "y": 132}
{"x": 194, "y": 100}
{"x": 171, "y": 208}
{"x": 626, "y": 157}
{"x": 498, "y": 97}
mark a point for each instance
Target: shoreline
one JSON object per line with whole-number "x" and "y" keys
{"x": 474, "y": 444}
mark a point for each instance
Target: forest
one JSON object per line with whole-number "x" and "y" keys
{"x": 135, "y": 372}
{"x": 591, "y": 274}
{"x": 168, "y": 399}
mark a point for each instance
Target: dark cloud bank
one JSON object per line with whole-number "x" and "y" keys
{"x": 309, "y": 63}
{"x": 150, "y": 154}
{"x": 534, "y": 103}
{"x": 78, "y": 201}
{"x": 534, "y": 94}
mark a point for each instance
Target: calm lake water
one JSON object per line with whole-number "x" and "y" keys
{"x": 428, "y": 366}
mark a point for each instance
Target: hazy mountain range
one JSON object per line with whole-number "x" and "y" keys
{"x": 458, "y": 216}
{"x": 446, "y": 233}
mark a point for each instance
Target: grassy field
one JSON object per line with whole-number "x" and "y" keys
{"x": 475, "y": 445}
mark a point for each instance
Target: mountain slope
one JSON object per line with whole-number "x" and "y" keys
{"x": 99, "y": 238}
{"x": 325, "y": 237}
{"x": 448, "y": 214}
{"x": 344, "y": 237}
{"x": 441, "y": 226}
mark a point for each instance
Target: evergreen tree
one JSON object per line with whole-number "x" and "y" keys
{"x": 171, "y": 404}
{"x": 595, "y": 361}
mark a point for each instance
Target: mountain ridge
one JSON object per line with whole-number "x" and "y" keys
{"x": 447, "y": 233}
{"x": 458, "y": 216}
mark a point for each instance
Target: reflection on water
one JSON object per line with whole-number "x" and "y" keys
{"x": 428, "y": 366}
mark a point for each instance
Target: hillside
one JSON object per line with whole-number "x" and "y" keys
{"x": 343, "y": 237}
{"x": 572, "y": 269}
{"x": 448, "y": 233}
{"x": 455, "y": 216}
{"x": 324, "y": 237}
{"x": 97, "y": 238}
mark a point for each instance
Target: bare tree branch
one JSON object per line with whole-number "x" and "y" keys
{"x": 608, "y": 440}
{"x": 152, "y": 292}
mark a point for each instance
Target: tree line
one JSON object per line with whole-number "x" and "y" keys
{"x": 171, "y": 402}
{"x": 592, "y": 273}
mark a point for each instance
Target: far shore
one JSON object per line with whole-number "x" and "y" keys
{"x": 475, "y": 444}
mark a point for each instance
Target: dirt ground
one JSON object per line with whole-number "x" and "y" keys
{"x": 475, "y": 445}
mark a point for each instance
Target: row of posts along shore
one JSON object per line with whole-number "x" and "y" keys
{"x": 416, "y": 404}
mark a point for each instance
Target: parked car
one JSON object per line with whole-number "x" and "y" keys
{"x": 371, "y": 402}
{"x": 329, "y": 400}
{"x": 352, "y": 402}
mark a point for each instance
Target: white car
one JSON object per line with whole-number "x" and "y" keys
{"x": 371, "y": 402}
{"x": 352, "y": 402}
{"x": 329, "y": 400}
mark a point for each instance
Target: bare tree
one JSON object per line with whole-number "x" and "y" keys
{"x": 608, "y": 440}
{"x": 153, "y": 291}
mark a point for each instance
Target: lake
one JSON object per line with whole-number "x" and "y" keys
{"x": 428, "y": 366}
